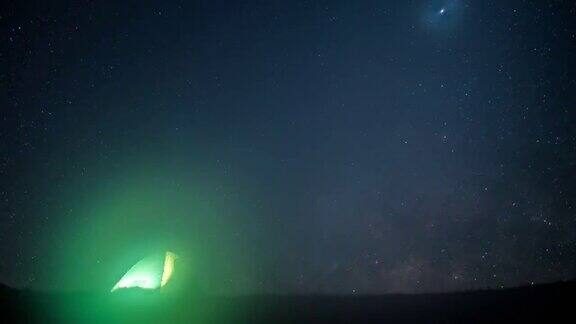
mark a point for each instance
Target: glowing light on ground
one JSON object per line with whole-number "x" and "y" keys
{"x": 152, "y": 272}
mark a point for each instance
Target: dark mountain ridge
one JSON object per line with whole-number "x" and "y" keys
{"x": 542, "y": 302}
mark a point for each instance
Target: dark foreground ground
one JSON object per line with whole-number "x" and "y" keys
{"x": 549, "y": 303}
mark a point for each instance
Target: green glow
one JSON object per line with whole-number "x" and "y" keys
{"x": 112, "y": 220}
{"x": 151, "y": 272}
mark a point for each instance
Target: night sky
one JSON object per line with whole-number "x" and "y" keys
{"x": 289, "y": 146}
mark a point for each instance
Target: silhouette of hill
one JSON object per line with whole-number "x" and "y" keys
{"x": 546, "y": 302}
{"x": 5, "y": 290}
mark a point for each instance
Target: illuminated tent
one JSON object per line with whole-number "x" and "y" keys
{"x": 152, "y": 272}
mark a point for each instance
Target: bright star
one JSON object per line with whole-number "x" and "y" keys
{"x": 442, "y": 11}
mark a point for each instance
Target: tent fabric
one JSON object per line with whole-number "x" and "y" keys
{"x": 152, "y": 272}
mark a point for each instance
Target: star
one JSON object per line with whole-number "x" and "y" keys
{"x": 441, "y": 11}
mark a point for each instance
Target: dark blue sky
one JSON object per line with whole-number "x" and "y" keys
{"x": 344, "y": 146}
